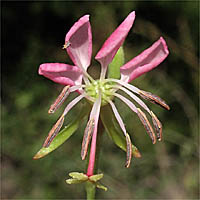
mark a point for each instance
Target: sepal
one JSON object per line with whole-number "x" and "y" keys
{"x": 78, "y": 176}
{"x": 74, "y": 181}
{"x": 91, "y": 181}
{"x": 100, "y": 186}
{"x": 96, "y": 177}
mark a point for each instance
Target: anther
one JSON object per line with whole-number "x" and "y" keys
{"x": 65, "y": 46}
{"x": 154, "y": 99}
{"x": 147, "y": 125}
{"x": 59, "y": 100}
{"x": 128, "y": 150}
{"x": 53, "y": 132}
{"x": 157, "y": 125}
{"x": 86, "y": 138}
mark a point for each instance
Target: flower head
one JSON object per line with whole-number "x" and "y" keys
{"x": 101, "y": 92}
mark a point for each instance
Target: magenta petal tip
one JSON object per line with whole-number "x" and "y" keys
{"x": 78, "y": 42}
{"x": 116, "y": 39}
{"x": 145, "y": 61}
{"x": 164, "y": 45}
{"x": 76, "y": 26}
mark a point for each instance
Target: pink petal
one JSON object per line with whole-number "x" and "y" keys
{"x": 144, "y": 62}
{"x": 61, "y": 73}
{"x": 79, "y": 42}
{"x": 113, "y": 43}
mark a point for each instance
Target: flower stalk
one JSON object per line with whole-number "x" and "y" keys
{"x": 90, "y": 190}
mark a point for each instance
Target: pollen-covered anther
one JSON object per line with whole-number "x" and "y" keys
{"x": 59, "y": 100}
{"x": 157, "y": 125}
{"x": 154, "y": 99}
{"x": 128, "y": 150}
{"x": 54, "y": 131}
{"x": 86, "y": 138}
{"x": 65, "y": 46}
{"x": 147, "y": 125}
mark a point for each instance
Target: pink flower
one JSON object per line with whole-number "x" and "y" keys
{"x": 78, "y": 44}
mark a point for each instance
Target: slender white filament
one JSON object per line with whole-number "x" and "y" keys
{"x": 76, "y": 87}
{"x": 129, "y": 86}
{"x": 134, "y": 97}
{"x": 118, "y": 117}
{"x": 72, "y": 104}
{"x": 127, "y": 102}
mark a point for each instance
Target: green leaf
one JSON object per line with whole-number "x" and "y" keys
{"x": 117, "y": 62}
{"x": 78, "y": 176}
{"x": 100, "y": 186}
{"x": 109, "y": 122}
{"x": 96, "y": 177}
{"x": 63, "y": 135}
{"x": 74, "y": 181}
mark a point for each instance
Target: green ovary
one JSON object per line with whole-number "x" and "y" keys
{"x": 93, "y": 90}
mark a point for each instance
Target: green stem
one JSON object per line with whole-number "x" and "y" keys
{"x": 90, "y": 187}
{"x": 90, "y": 190}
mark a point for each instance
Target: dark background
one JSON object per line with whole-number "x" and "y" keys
{"x": 33, "y": 33}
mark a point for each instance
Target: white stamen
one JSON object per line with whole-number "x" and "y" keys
{"x": 80, "y": 87}
{"x": 72, "y": 104}
{"x": 76, "y": 87}
{"x": 119, "y": 119}
{"x": 128, "y": 141}
{"x": 138, "y": 100}
{"x": 128, "y": 150}
{"x": 127, "y": 101}
{"x": 129, "y": 86}
{"x": 60, "y": 99}
{"x": 86, "y": 138}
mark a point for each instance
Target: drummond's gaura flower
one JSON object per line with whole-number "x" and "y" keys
{"x": 100, "y": 93}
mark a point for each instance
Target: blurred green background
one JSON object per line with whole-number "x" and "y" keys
{"x": 33, "y": 33}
